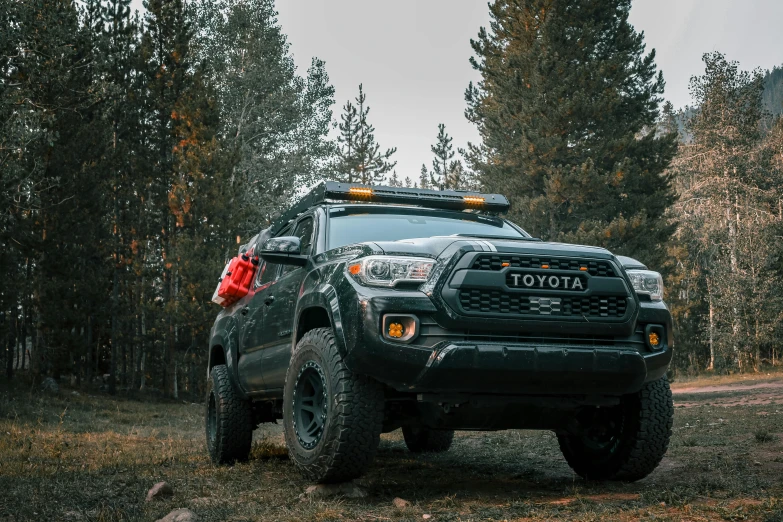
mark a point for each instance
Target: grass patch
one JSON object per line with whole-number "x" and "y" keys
{"x": 764, "y": 436}
{"x": 91, "y": 458}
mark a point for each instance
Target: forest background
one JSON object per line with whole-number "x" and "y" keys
{"x": 138, "y": 150}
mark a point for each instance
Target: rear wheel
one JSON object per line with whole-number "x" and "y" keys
{"x": 332, "y": 417}
{"x": 625, "y": 442}
{"x": 229, "y": 419}
{"x": 426, "y": 440}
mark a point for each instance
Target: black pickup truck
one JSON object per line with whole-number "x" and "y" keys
{"x": 378, "y": 308}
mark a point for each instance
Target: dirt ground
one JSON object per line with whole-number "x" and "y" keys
{"x": 85, "y": 458}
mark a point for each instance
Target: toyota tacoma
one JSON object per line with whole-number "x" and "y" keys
{"x": 376, "y": 308}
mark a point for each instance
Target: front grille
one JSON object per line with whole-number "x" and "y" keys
{"x": 497, "y": 302}
{"x": 496, "y": 262}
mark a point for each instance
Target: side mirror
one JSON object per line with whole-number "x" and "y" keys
{"x": 285, "y": 250}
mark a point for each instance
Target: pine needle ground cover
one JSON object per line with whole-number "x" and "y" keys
{"x": 80, "y": 457}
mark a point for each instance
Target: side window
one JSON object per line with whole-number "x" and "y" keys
{"x": 304, "y": 231}
{"x": 266, "y": 273}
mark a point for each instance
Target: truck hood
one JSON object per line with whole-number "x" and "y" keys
{"x": 435, "y": 246}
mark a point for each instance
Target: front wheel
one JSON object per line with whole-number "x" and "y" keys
{"x": 332, "y": 417}
{"x": 624, "y": 442}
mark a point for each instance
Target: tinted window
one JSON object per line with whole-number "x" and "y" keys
{"x": 304, "y": 231}
{"x": 266, "y": 273}
{"x": 346, "y": 229}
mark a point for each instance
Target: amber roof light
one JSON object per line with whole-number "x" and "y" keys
{"x": 360, "y": 191}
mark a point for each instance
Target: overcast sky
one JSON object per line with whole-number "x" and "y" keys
{"x": 412, "y": 55}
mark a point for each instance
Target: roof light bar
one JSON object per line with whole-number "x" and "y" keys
{"x": 445, "y": 199}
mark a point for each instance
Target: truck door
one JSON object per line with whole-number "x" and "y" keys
{"x": 280, "y": 318}
{"x": 252, "y": 333}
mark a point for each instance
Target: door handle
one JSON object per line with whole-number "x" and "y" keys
{"x": 269, "y": 300}
{"x": 245, "y": 310}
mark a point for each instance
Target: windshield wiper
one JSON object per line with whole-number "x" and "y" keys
{"x": 491, "y": 236}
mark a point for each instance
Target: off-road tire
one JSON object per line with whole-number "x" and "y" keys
{"x": 351, "y": 431}
{"x": 229, "y": 419}
{"x": 426, "y": 440}
{"x": 646, "y": 426}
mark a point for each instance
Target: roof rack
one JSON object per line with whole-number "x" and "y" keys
{"x": 443, "y": 199}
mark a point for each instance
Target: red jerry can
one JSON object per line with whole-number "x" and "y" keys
{"x": 236, "y": 280}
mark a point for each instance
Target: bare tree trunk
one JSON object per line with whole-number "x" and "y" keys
{"x": 143, "y": 383}
{"x": 176, "y": 389}
{"x": 20, "y": 358}
{"x": 711, "y": 366}
{"x": 735, "y": 323}
{"x": 114, "y": 331}
{"x": 11, "y": 346}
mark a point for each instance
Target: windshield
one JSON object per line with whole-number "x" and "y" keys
{"x": 347, "y": 226}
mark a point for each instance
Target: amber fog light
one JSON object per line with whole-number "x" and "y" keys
{"x": 655, "y": 337}
{"x": 401, "y": 328}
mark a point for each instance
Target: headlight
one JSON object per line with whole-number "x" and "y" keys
{"x": 390, "y": 271}
{"x": 647, "y": 282}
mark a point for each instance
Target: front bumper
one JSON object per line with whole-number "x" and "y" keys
{"x": 510, "y": 368}
{"x": 522, "y": 369}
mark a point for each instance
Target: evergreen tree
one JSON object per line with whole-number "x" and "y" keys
{"x": 273, "y": 122}
{"x": 347, "y": 139}
{"x": 565, "y": 109}
{"x": 424, "y": 177}
{"x": 773, "y": 91}
{"x": 360, "y": 159}
{"x": 443, "y": 155}
{"x": 729, "y": 209}
{"x": 394, "y": 180}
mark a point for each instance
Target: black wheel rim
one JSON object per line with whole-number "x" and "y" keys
{"x": 310, "y": 405}
{"x": 603, "y": 432}
{"x": 211, "y": 420}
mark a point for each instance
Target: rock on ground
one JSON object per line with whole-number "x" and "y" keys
{"x": 400, "y": 503}
{"x": 346, "y": 489}
{"x": 159, "y": 490}
{"x": 49, "y": 385}
{"x": 180, "y": 515}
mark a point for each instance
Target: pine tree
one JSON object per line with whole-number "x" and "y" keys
{"x": 360, "y": 159}
{"x": 565, "y": 109}
{"x": 443, "y": 155}
{"x": 425, "y": 178}
{"x": 347, "y": 143}
{"x": 394, "y": 180}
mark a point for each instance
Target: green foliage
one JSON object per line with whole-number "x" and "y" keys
{"x": 134, "y": 152}
{"x": 273, "y": 123}
{"x": 773, "y": 91}
{"x": 447, "y": 173}
{"x": 444, "y": 153}
{"x": 359, "y": 157}
{"x": 726, "y": 287}
{"x": 566, "y": 109}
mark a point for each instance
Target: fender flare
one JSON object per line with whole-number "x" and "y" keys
{"x": 323, "y": 296}
{"x": 226, "y": 337}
